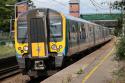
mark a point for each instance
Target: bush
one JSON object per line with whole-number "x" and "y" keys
{"x": 120, "y": 49}
{"x": 2, "y": 43}
{"x": 6, "y": 51}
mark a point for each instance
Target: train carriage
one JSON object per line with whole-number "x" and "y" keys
{"x": 44, "y": 37}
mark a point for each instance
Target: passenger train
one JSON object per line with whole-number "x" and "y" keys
{"x": 45, "y": 37}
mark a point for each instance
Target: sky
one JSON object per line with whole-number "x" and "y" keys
{"x": 86, "y": 6}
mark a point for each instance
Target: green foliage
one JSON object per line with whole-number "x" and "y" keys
{"x": 6, "y": 51}
{"x": 5, "y": 13}
{"x": 117, "y": 5}
{"x": 119, "y": 74}
{"x": 118, "y": 29}
{"x": 120, "y": 49}
{"x": 23, "y": 0}
{"x": 2, "y": 43}
{"x": 117, "y": 32}
{"x": 80, "y": 71}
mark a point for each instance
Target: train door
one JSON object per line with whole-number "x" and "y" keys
{"x": 94, "y": 35}
{"x": 38, "y": 37}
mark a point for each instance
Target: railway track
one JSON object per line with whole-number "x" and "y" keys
{"x": 8, "y": 67}
{"x": 4, "y": 73}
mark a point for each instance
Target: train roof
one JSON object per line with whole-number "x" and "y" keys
{"x": 75, "y": 18}
{"x": 78, "y": 19}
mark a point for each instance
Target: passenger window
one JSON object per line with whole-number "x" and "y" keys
{"x": 73, "y": 28}
{"x": 73, "y": 34}
{"x": 82, "y": 32}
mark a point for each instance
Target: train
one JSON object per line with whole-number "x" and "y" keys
{"x": 44, "y": 37}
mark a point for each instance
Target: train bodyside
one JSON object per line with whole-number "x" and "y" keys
{"x": 82, "y": 35}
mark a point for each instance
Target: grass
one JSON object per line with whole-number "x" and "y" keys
{"x": 118, "y": 76}
{"x": 119, "y": 73}
{"x": 80, "y": 71}
{"x": 6, "y": 51}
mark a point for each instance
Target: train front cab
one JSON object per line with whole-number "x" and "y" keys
{"x": 46, "y": 41}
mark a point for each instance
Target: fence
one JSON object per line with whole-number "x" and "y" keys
{"x": 5, "y": 38}
{"x": 6, "y": 45}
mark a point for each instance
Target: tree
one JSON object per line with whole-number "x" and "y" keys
{"x": 5, "y": 14}
{"x": 119, "y": 6}
{"x": 118, "y": 29}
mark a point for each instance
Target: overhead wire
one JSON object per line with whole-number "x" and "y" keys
{"x": 93, "y": 2}
{"x": 60, "y": 3}
{"x": 94, "y": 5}
{"x": 82, "y": 3}
{"x": 98, "y": 5}
{"x": 65, "y": 6}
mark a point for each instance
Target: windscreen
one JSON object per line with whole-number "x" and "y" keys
{"x": 55, "y": 27}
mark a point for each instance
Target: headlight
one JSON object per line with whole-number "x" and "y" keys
{"x": 19, "y": 48}
{"x": 54, "y": 47}
{"x": 25, "y": 48}
{"x": 60, "y": 46}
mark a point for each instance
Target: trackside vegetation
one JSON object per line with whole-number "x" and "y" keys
{"x": 6, "y": 51}
{"x": 119, "y": 73}
{"x": 6, "y": 45}
{"x": 120, "y": 46}
{"x": 120, "y": 49}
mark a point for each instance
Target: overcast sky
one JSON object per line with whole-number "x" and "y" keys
{"x": 86, "y": 6}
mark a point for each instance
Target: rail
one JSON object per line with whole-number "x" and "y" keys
{"x": 8, "y": 67}
{"x": 4, "y": 73}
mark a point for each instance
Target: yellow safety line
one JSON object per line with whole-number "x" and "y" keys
{"x": 97, "y": 66}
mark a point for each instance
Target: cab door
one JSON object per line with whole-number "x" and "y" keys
{"x": 38, "y": 46}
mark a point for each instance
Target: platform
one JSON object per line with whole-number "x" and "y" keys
{"x": 79, "y": 72}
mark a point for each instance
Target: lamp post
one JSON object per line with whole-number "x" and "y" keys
{"x": 11, "y": 19}
{"x": 8, "y": 5}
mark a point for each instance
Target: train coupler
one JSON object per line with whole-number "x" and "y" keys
{"x": 39, "y": 65}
